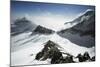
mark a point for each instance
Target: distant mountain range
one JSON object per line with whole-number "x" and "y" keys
{"x": 81, "y": 33}
{"x": 24, "y": 25}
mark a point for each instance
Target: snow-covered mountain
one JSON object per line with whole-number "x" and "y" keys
{"x": 83, "y": 33}
{"x": 22, "y": 25}
{"x": 42, "y": 30}
{"x": 82, "y": 17}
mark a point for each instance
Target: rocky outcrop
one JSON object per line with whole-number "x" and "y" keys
{"x": 93, "y": 58}
{"x": 52, "y": 51}
{"x": 83, "y": 58}
{"x": 48, "y": 51}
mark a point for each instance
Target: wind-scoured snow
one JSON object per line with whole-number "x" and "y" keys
{"x": 25, "y": 47}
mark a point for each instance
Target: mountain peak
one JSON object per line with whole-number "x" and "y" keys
{"x": 21, "y": 20}
{"x": 82, "y": 17}
{"x": 42, "y": 30}
{"x": 88, "y": 10}
{"x": 50, "y": 43}
{"x": 21, "y": 25}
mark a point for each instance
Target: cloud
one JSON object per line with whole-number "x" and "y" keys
{"x": 49, "y": 20}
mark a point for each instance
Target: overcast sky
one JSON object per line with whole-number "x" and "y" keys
{"x": 47, "y": 14}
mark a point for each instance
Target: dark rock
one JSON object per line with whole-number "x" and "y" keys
{"x": 56, "y": 57}
{"x": 48, "y": 51}
{"x": 39, "y": 55}
{"x": 93, "y": 58}
{"x": 52, "y": 52}
{"x": 80, "y": 57}
{"x": 67, "y": 59}
{"x": 84, "y": 57}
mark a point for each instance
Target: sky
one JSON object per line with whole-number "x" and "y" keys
{"x": 50, "y": 15}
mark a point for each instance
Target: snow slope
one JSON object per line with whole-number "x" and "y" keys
{"x": 25, "y": 47}
{"x": 82, "y": 17}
